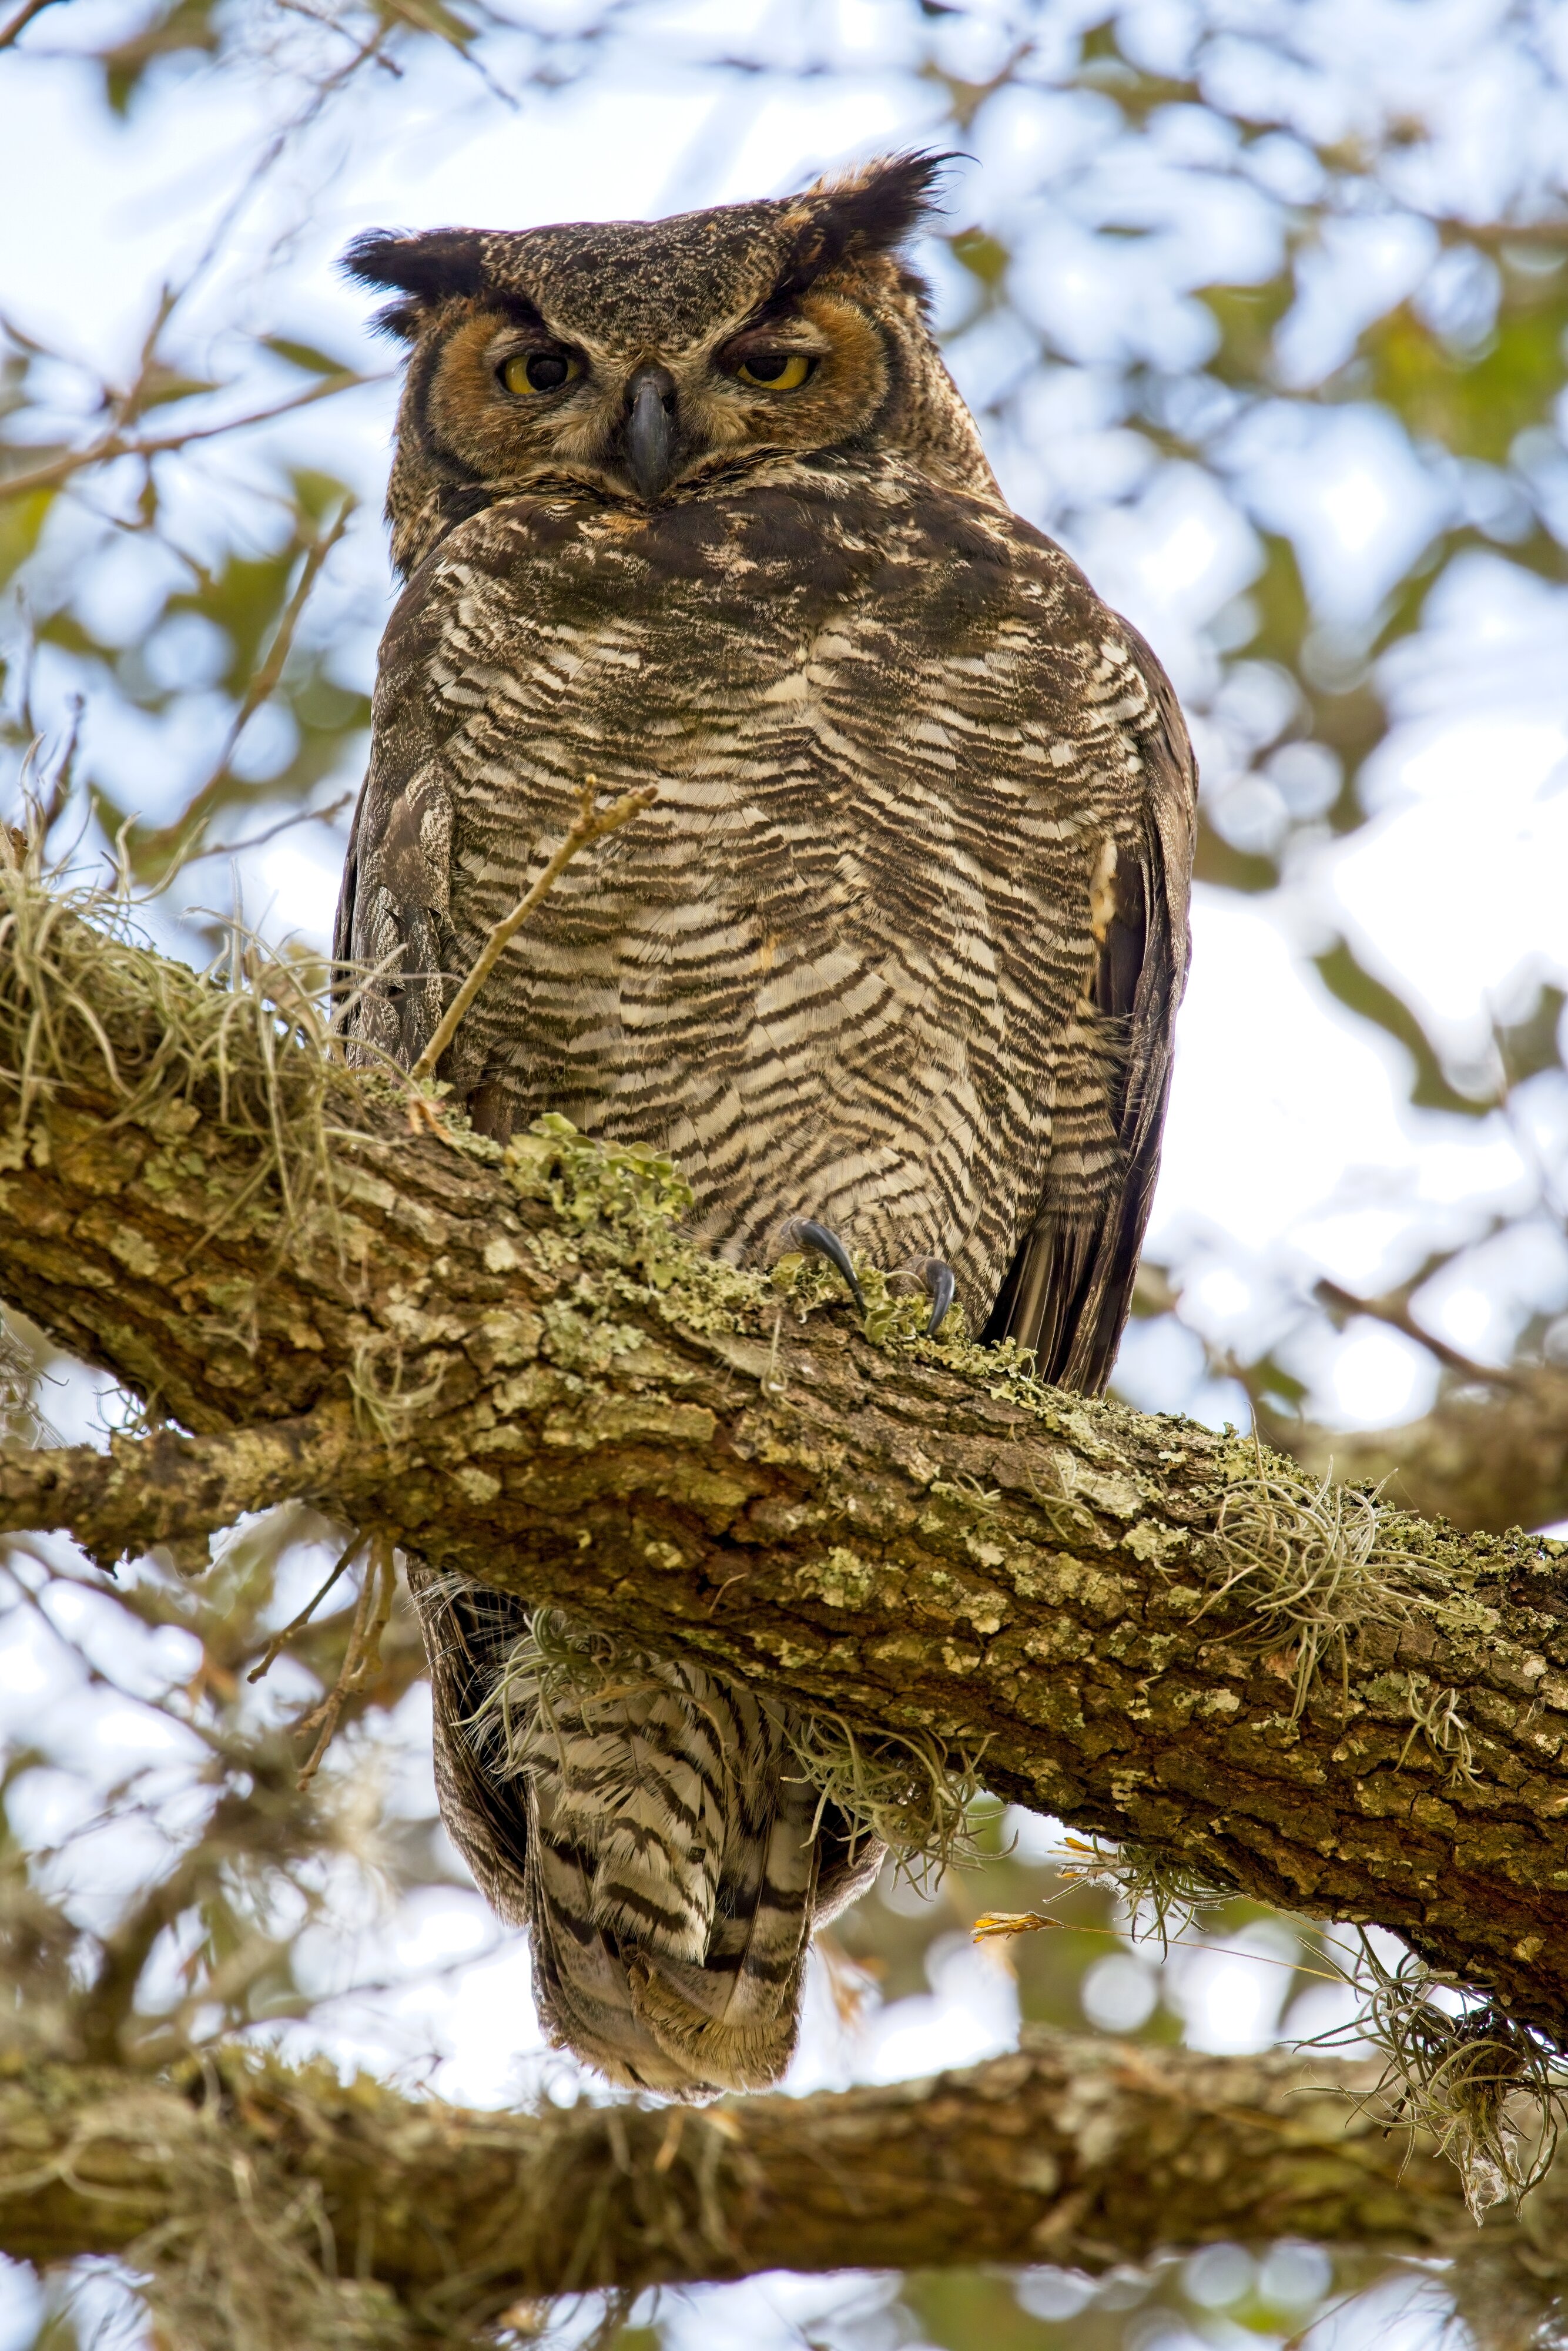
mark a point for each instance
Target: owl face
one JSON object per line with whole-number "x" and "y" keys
{"x": 644, "y": 361}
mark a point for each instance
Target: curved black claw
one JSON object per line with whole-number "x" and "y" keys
{"x": 819, "y": 1240}
{"x": 936, "y": 1279}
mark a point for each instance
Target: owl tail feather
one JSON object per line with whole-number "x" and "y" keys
{"x": 648, "y": 1821}
{"x": 730, "y": 2057}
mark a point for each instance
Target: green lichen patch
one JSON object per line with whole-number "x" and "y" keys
{"x": 623, "y": 1207}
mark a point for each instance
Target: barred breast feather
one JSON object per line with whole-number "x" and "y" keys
{"x": 900, "y": 945}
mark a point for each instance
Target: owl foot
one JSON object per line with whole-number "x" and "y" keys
{"x": 805, "y": 1234}
{"x": 936, "y": 1279}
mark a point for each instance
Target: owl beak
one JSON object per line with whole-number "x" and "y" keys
{"x": 651, "y": 430}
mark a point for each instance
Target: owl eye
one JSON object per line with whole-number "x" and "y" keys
{"x": 530, "y": 371}
{"x": 779, "y": 370}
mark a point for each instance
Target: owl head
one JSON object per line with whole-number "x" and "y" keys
{"x": 642, "y": 360}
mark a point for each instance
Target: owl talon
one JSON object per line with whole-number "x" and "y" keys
{"x": 804, "y": 1232}
{"x": 936, "y": 1279}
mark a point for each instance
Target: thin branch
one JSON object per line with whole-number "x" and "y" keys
{"x": 118, "y": 444}
{"x": 188, "y": 824}
{"x": 11, "y": 33}
{"x": 281, "y": 1641}
{"x": 1395, "y": 1312}
{"x": 590, "y": 824}
{"x": 362, "y": 1658}
{"x": 259, "y": 840}
{"x": 165, "y": 1487}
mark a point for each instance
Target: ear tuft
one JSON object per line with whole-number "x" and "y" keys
{"x": 876, "y": 208}
{"x": 872, "y": 210}
{"x": 439, "y": 265}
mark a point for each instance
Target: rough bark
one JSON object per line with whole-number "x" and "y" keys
{"x": 501, "y": 1366}
{"x": 1076, "y": 2152}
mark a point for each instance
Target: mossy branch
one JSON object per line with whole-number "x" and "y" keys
{"x": 253, "y": 2191}
{"x": 519, "y": 1366}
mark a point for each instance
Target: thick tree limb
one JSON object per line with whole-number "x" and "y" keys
{"x": 552, "y": 1391}
{"x": 1078, "y": 2152}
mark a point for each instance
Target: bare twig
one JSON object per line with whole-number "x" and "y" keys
{"x": 279, "y": 1641}
{"x": 1000, "y": 1925}
{"x": 283, "y": 824}
{"x": 198, "y": 808}
{"x": 11, "y": 33}
{"x": 1395, "y": 1312}
{"x": 363, "y": 1656}
{"x": 588, "y": 825}
{"x": 119, "y": 444}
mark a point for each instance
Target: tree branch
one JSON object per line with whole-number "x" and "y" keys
{"x": 102, "y": 452}
{"x": 1078, "y": 2152}
{"x": 1483, "y": 1460}
{"x": 554, "y": 1391}
{"x": 168, "y": 1489}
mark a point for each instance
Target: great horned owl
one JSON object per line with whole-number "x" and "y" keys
{"x": 892, "y": 964}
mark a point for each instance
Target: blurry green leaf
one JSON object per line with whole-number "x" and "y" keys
{"x": 186, "y": 26}
{"x": 318, "y": 494}
{"x": 306, "y": 356}
{"x": 428, "y": 16}
{"x": 1102, "y": 66}
{"x": 161, "y": 385}
{"x": 1247, "y": 317}
{"x": 1279, "y": 1389}
{"x": 21, "y": 520}
{"x": 63, "y": 629}
{"x": 981, "y": 254}
{"x": 1357, "y": 989}
{"x": 1534, "y": 1043}
{"x": 1476, "y": 404}
{"x": 246, "y": 600}
{"x": 960, "y": 2310}
{"x": 1231, "y": 869}
{"x": 1282, "y": 603}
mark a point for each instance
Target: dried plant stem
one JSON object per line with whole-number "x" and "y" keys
{"x": 187, "y": 826}
{"x": 364, "y": 1655}
{"x": 279, "y": 1641}
{"x": 590, "y": 824}
{"x": 998, "y": 1924}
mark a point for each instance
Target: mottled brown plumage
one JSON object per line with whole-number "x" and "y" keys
{"x": 694, "y": 502}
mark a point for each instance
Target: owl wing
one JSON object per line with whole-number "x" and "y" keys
{"x": 1067, "y": 1292}
{"x": 393, "y": 940}
{"x": 467, "y": 1629}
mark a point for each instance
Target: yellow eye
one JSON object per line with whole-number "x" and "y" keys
{"x": 776, "y": 370}
{"x": 526, "y": 373}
